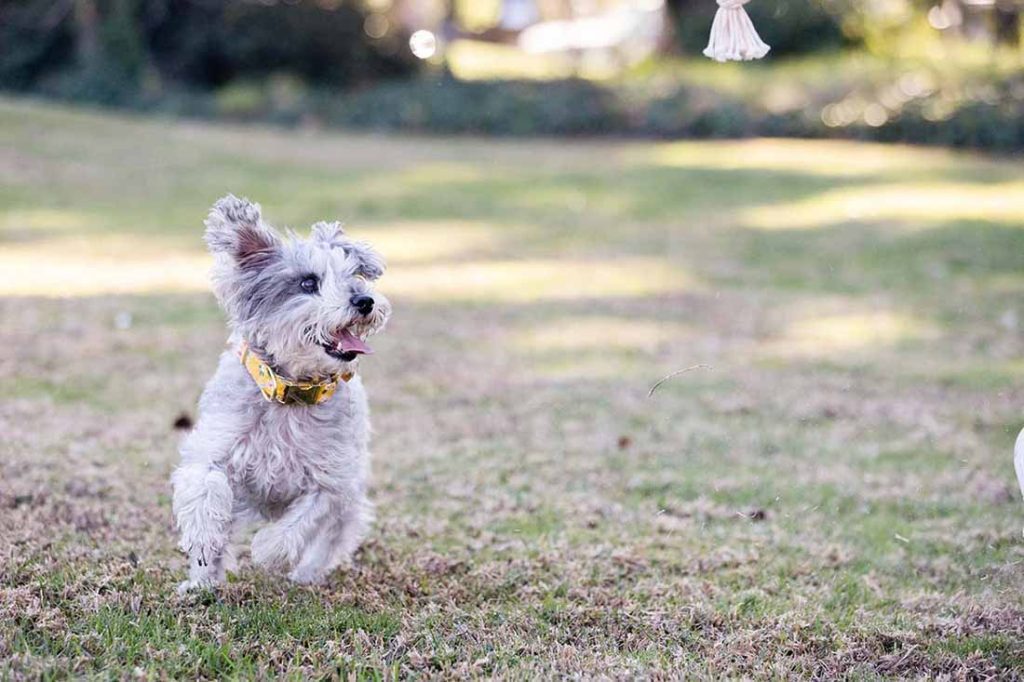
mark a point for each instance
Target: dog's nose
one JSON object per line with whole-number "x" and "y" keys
{"x": 362, "y": 303}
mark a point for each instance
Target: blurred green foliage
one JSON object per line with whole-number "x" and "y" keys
{"x": 869, "y": 70}
{"x": 568, "y": 107}
{"x": 323, "y": 43}
{"x": 118, "y": 51}
{"x": 852, "y": 97}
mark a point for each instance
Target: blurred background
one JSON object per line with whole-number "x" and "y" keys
{"x": 932, "y": 71}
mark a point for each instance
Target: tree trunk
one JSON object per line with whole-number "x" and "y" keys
{"x": 87, "y": 21}
{"x": 1007, "y": 17}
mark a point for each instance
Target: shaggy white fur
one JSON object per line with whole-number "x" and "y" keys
{"x": 303, "y": 468}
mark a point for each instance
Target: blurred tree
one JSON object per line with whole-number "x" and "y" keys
{"x": 208, "y": 44}
{"x": 87, "y": 18}
{"x": 122, "y": 49}
{"x": 111, "y": 44}
{"x": 1007, "y": 20}
{"x": 38, "y": 37}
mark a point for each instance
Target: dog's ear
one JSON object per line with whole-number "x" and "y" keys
{"x": 370, "y": 263}
{"x": 234, "y": 227}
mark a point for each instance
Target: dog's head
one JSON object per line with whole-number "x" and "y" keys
{"x": 307, "y": 305}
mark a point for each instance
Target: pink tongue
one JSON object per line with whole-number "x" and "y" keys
{"x": 350, "y": 343}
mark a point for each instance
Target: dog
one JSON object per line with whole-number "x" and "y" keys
{"x": 283, "y": 431}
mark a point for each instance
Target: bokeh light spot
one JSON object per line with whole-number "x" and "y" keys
{"x": 376, "y": 26}
{"x": 423, "y": 44}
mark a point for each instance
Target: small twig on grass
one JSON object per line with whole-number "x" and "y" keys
{"x": 675, "y": 374}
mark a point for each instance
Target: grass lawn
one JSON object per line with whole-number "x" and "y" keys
{"x": 830, "y": 493}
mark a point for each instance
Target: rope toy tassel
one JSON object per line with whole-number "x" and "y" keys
{"x": 733, "y": 36}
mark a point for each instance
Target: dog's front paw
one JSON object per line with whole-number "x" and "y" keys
{"x": 195, "y": 585}
{"x": 272, "y": 550}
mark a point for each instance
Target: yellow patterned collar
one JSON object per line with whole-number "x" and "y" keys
{"x": 274, "y": 387}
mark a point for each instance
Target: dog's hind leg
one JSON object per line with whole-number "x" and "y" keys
{"x": 334, "y": 543}
{"x": 313, "y": 565}
{"x": 356, "y": 523}
{"x": 280, "y": 544}
{"x": 202, "y": 507}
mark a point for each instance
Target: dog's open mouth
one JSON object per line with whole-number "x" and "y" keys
{"x": 346, "y": 346}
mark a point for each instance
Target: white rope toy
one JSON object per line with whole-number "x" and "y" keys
{"x": 733, "y": 36}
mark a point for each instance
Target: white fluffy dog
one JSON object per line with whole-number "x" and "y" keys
{"x": 283, "y": 427}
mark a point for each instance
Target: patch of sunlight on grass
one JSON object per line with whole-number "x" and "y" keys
{"x": 75, "y": 267}
{"x": 43, "y": 219}
{"x": 80, "y": 267}
{"x": 825, "y": 158}
{"x": 599, "y": 332}
{"x": 419, "y": 241}
{"x": 537, "y": 280}
{"x": 927, "y": 203}
{"x": 826, "y": 335}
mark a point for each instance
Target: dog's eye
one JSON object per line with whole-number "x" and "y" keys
{"x": 310, "y": 284}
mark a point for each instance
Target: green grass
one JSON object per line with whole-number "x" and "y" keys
{"x": 830, "y": 494}
{"x": 162, "y": 641}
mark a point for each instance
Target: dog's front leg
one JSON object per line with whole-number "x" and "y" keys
{"x": 202, "y": 507}
{"x": 279, "y": 545}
